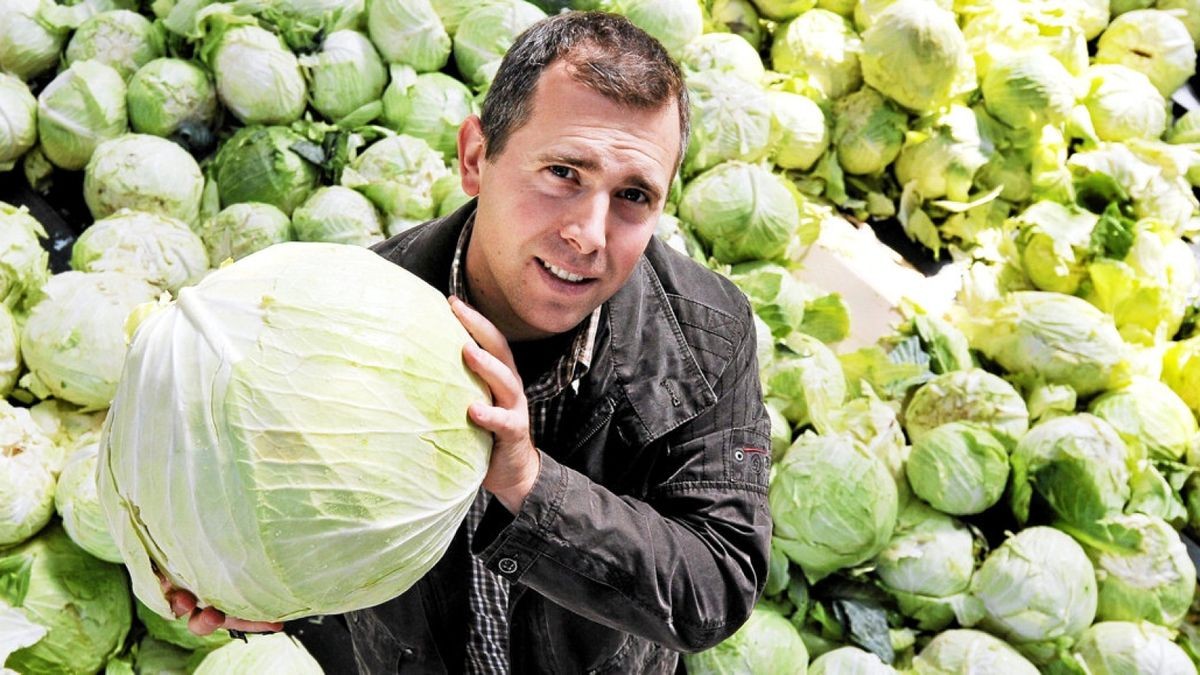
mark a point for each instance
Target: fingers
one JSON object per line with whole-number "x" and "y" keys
{"x": 181, "y": 601}
{"x": 205, "y": 621}
{"x": 502, "y": 380}
{"x": 485, "y": 332}
{"x": 507, "y": 425}
{"x": 251, "y": 626}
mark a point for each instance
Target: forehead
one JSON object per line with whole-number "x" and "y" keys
{"x": 569, "y": 116}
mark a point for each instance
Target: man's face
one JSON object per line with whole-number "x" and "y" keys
{"x": 567, "y": 207}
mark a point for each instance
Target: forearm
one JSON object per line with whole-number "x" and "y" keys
{"x": 682, "y": 567}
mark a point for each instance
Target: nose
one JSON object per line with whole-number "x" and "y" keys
{"x": 585, "y": 225}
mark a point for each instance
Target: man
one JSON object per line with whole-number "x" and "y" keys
{"x": 623, "y": 517}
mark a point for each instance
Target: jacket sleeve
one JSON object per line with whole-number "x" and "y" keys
{"x": 682, "y": 567}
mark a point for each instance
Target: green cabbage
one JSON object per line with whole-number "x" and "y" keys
{"x": 163, "y": 251}
{"x": 337, "y": 215}
{"x": 834, "y": 504}
{"x": 741, "y": 211}
{"x": 915, "y": 54}
{"x": 257, "y": 78}
{"x": 822, "y": 49}
{"x": 82, "y": 107}
{"x": 143, "y": 173}
{"x": 766, "y": 643}
{"x": 241, "y": 229}
{"x": 343, "y": 499}
{"x": 122, "y": 39}
{"x": 1153, "y": 42}
{"x": 83, "y": 603}
{"x": 1038, "y": 590}
{"x": 345, "y": 75}
{"x": 173, "y": 98}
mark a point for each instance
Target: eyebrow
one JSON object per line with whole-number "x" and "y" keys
{"x": 635, "y": 179}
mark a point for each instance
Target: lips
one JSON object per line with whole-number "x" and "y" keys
{"x": 564, "y": 274}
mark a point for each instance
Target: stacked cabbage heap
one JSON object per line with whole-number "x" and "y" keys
{"x": 1020, "y": 467}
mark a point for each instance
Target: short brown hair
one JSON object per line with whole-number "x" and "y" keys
{"x": 609, "y": 55}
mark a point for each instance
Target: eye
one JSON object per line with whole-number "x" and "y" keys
{"x": 634, "y": 195}
{"x": 561, "y": 171}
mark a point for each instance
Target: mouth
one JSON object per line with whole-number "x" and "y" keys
{"x": 562, "y": 274}
{"x": 564, "y": 279}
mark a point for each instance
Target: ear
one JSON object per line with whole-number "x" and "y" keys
{"x": 470, "y": 154}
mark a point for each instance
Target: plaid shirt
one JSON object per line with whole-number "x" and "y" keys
{"x": 487, "y": 638}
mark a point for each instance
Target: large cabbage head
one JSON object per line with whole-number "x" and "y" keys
{"x": 915, "y": 54}
{"x": 741, "y": 212}
{"x": 834, "y": 504}
{"x": 345, "y": 75}
{"x": 74, "y": 338}
{"x": 1054, "y": 242}
{"x": 782, "y": 10}
{"x": 241, "y": 229}
{"x": 1007, "y": 28}
{"x": 972, "y": 651}
{"x": 849, "y": 661}
{"x": 1028, "y": 90}
{"x": 82, "y": 603}
{"x": 261, "y": 164}
{"x": 927, "y": 566}
{"x": 1142, "y": 568}
{"x": 260, "y": 653}
{"x": 1148, "y": 414}
{"x": 1058, "y": 338}
{"x": 1152, "y": 42}
{"x": 164, "y": 251}
{"x": 823, "y": 50}
{"x": 78, "y": 504}
{"x": 960, "y": 468}
{"x": 337, "y": 215}
{"x": 174, "y": 99}
{"x": 942, "y": 155}
{"x": 29, "y": 45}
{"x": 1077, "y": 464}
{"x": 731, "y": 120}
{"x": 342, "y": 401}
{"x": 971, "y": 395}
{"x": 1123, "y": 103}
{"x": 81, "y": 108}
{"x": 1130, "y": 647}
{"x": 429, "y": 106}
{"x": 485, "y": 35}
{"x": 18, "y": 109}
{"x": 143, "y": 173}
{"x": 1038, "y": 590}
{"x": 258, "y": 78}
{"x": 868, "y": 132}
{"x": 766, "y": 643}
{"x": 119, "y": 38}
{"x": 24, "y": 263}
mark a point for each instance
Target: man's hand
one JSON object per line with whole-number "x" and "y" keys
{"x": 204, "y": 621}
{"x": 515, "y": 462}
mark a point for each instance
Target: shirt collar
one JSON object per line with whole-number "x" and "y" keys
{"x": 573, "y": 364}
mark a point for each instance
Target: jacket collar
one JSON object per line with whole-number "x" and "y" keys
{"x": 650, "y": 359}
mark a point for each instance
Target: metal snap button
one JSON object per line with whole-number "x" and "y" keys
{"x": 508, "y": 565}
{"x": 739, "y": 455}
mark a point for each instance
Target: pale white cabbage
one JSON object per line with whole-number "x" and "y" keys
{"x": 80, "y": 109}
{"x": 143, "y": 173}
{"x": 27, "y": 476}
{"x": 317, "y": 435}
{"x": 409, "y": 32}
{"x": 161, "y": 250}
{"x": 258, "y": 79}
{"x": 1153, "y": 42}
{"x": 74, "y": 339}
{"x": 18, "y": 120}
